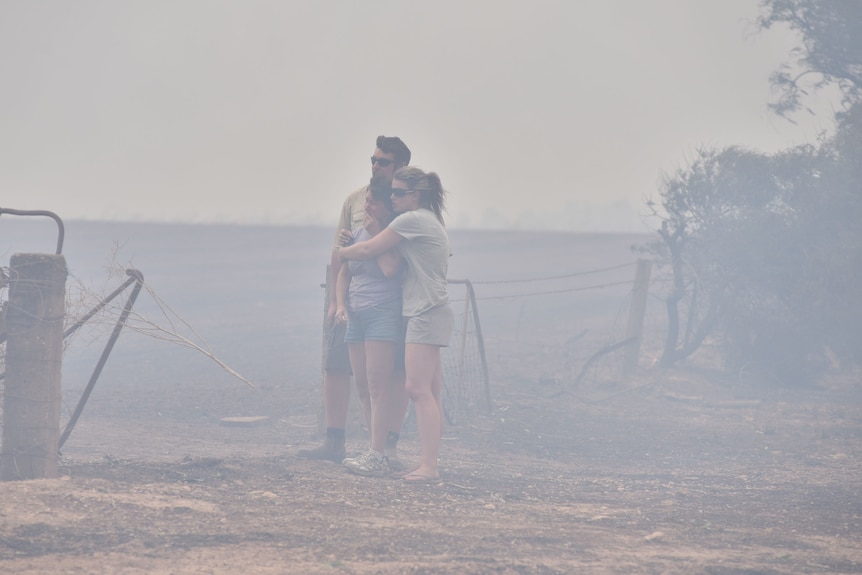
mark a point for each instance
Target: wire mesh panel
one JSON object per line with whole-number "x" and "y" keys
{"x": 4, "y": 292}
{"x": 466, "y": 387}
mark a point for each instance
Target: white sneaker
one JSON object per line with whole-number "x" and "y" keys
{"x": 369, "y": 464}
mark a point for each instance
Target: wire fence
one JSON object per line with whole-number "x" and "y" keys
{"x": 566, "y": 328}
{"x": 544, "y": 329}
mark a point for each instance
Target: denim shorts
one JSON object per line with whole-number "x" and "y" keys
{"x": 379, "y": 323}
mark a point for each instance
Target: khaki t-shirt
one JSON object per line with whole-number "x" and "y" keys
{"x": 352, "y": 214}
{"x": 425, "y": 248}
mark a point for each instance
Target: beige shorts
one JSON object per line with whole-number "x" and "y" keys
{"x": 431, "y": 327}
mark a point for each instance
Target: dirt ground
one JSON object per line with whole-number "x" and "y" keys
{"x": 685, "y": 471}
{"x": 673, "y": 472}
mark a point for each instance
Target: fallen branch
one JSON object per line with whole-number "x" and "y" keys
{"x": 593, "y": 358}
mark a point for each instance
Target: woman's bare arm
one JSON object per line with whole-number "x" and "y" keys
{"x": 379, "y": 244}
{"x": 390, "y": 263}
{"x": 341, "y": 286}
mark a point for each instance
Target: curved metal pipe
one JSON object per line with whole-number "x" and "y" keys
{"x": 55, "y": 217}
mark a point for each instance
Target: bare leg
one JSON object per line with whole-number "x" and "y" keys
{"x": 357, "y": 362}
{"x": 336, "y": 398}
{"x": 423, "y": 369}
{"x": 379, "y": 360}
{"x": 397, "y": 402}
{"x": 437, "y": 391}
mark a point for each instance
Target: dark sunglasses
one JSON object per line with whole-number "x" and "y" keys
{"x": 382, "y": 162}
{"x": 400, "y": 193}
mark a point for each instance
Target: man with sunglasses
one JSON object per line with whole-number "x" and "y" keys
{"x": 390, "y": 154}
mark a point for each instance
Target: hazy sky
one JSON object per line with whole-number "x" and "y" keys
{"x": 536, "y": 114}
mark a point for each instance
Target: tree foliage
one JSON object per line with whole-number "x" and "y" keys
{"x": 831, "y": 52}
{"x": 766, "y": 255}
{"x": 716, "y": 208}
{"x": 765, "y": 251}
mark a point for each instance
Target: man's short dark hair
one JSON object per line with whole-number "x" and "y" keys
{"x": 393, "y": 145}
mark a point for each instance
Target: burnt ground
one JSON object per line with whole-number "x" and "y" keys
{"x": 681, "y": 471}
{"x": 668, "y": 473}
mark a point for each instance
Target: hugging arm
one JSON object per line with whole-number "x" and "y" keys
{"x": 379, "y": 244}
{"x": 390, "y": 263}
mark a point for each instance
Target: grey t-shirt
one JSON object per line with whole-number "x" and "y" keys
{"x": 425, "y": 248}
{"x": 368, "y": 285}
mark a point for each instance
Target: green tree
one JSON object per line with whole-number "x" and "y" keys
{"x": 830, "y": 53}
{"x": 716, "y": 209}
{"x": 765, "y": 253}
{"x": 828, "y": 229}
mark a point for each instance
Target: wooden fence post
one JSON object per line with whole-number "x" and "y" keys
{"x": 321, "y": 410}
{"x": 636, "y": 316}
{"x": 34, "y": 348}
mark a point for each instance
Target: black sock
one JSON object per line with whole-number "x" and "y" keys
{"x": 335, "y": 433}
{"x": 392, "y": 439}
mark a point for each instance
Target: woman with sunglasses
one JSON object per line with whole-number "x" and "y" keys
{"x": 368, "y": 299}
{"x": 420, "y": 236}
